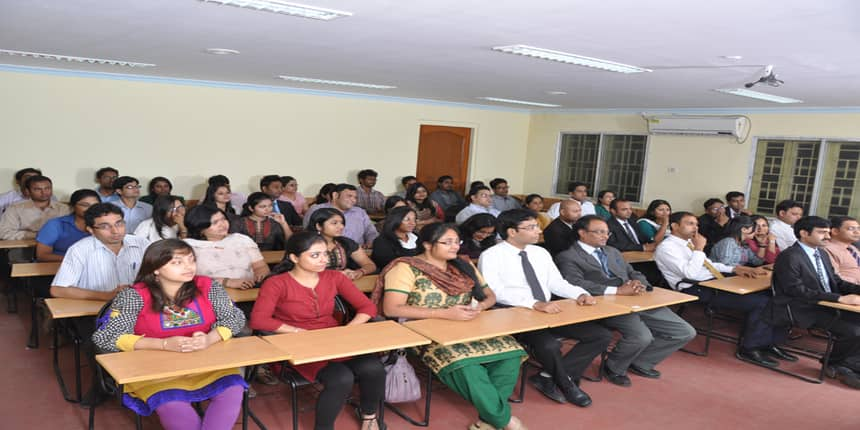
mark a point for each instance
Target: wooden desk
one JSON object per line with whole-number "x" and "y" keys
{"x": 11, "y": 244}
{"x": 345, "y": 341}
{"x": 366, "y": 283}
{"x": 492, "y": 323}
{"x": 73, "y": 308}
{"x": 572, "y": 313}
{"x": 657, "y": 298}
{"x": 739, "y": 284}
{"x": 841, "y": 306}
{"x": 240, "y": 296}
{"x": 146, "y": 365}
{"x": 273, "y": 257}
{"x": 25, "y": 270}
{"x": 638, "y": 256}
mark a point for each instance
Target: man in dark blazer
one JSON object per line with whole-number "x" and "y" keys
{"x": 647, "y": 337}
{"x": 625, "y": 234}
{"x": 559, "y": 234}
{"x": 273, "y": 187}
{"x": 803, "y": 276}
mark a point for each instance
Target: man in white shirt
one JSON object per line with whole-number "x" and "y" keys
{"x": 681, "y": 259}
{"x": 578, "y": 191}
{"x": 522, "y": 274}
{"x": 787, "y": 213}
{"x": 14, "y": 196}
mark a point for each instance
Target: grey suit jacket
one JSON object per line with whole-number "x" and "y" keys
{"x": 580, "y": 268}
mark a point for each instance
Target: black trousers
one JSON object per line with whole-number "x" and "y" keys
{"x": 757, "y": 332}
{"x": 592, "y": 340}
{"x": 846, "y": 348}
{"x": 338, "y": 377}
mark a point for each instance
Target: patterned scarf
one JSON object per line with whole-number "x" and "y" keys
{"x": 452, "y": 281}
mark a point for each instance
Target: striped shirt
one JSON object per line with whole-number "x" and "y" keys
{"x": 90, "y": 265}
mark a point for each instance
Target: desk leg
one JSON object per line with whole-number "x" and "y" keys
{"x": 34, "y": 317}
{"x": 426, "y": 421}
{"x": 60, "y": 381}
{"x": 246, "y": 409}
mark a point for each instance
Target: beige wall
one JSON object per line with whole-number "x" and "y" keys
{"x": 685, "y": 170}
{"x": 71, "y": 126}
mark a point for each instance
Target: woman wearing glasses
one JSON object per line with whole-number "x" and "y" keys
{"x": 167, "y": 222}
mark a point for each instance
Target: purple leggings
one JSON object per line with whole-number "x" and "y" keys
{"x": 221, "y": 413}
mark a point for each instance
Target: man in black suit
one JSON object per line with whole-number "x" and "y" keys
{"x": 647, "y": 337}
{"x": 803, "y": 276}
{"x": 560, "y": 234}
{"x": 624, "y": 230}
{"x": 273, "y": 187}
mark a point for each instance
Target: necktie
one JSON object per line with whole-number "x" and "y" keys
{"x": 531, "y": 278}
{"x": 601, "y": 255}
{"x": 854, "y": 254}
{"x": 276, "y": 208}
{"x": 819, "y": 267}
{"x": 714, "y": 272}
{"x": 630, "y": 232}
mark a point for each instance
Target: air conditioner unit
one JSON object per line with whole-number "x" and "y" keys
{"x": 730, "y": 126}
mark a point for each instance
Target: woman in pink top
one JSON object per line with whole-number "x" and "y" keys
{"x": 292, "y": 195}
{"x": 763, "y": 243}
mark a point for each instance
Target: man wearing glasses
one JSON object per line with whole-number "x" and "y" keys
{"x": 712, "y": 223}
{"x": 522, "y": 274}
{"x": 127, "y": 191}
{"x": 105, "y": 177}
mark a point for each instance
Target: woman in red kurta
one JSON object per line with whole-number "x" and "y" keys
{"x": 298, "y": 296}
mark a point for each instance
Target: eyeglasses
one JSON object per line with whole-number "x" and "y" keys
{"x": 600, "y": 232}
{"x": 852, "y": 228}
{"x": 450, "y": 242}
{"x": 132, "y": 187}
{"x": 529, "y": 227}
{"x": 716, "y": 209}
{"x": 176, "y": 208}
{"x": 105, "y": 226}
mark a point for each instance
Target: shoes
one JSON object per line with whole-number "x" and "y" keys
{"x": 480, "y": 425}
{"x": 779, "y": 353}
{"x": 547, "y": 387}
{"x": 381, "y": 426}
{"x": 756, "y": 356}
{"x": 616, "y": 378}
{"x": 844, "y": 375}
{"x": 265, "y": 376}
{"x": 643, "y": 372}
{"x": 516, "y": 424}
{"x": 574, "y": 395}
{"x": 252, "y": 393}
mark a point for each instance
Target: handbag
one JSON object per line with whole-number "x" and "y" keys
{"x": 401, "y": 384}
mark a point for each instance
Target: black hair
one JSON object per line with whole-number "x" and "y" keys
{"x": 406, "y": 179}
{"x": 529, "y": 198}
{"x": 151, "y": 187}
{"x": 390, "y": 202}
{"x": 571, "y": 187}
{"x": 734, "y": 228}
{"x": 733, "y": 195}
{"x": 99, "y": 210}
{"x": 476, "y": 184}
{"x": 511, "y": 218}
{"x": 103, "y": 170}
{"x": 585, "y": 222}
{"x": 322, "y": 215}
{"x": 755, "y": 219}
{"x": 473, "y": 191}
{"x": 837, "y": 221}
{"x": 286, "y": 180}
{"x": 253, "y": 200}
{"x": 809, "y": 223}
{"x": 603, "y": 193}
{"x": 426, "y": 204}
{"x": 156, "y": 256}
{"x": 431, "y": 233}
{"x": 324, "y": 194}
{"x": 199, "y": 218}
{"x": 162, "y": 207}
{"x": 122, "y": 181}
{"x": 393, "y": 220}
{"x": 267, "y": 180}
{"x": 296, "y": 245}
{"x": 367, "y": 172}
{"x": 339, "y": 188}
{"x": 477, "y": 222}
{"x": 34, "y": 179}
{"x": 496, "y": 182}
{"x": 444, "y": 178}
{"x": 676, "y": 217}
{"x": 613, "y": 205}
{"x": 81, "y": 194}
{"x": 209, "y": 198}
{"x": 711, "y": 201}
{"x": 218, "y": 180}
{"x": 652, "y": 207}
{"x": 785, "y": 205}
{"x": 20, "y": 174}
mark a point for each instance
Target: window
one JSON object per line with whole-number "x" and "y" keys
{"x": 820, "y": 174}
{"x": 603, "y": 162}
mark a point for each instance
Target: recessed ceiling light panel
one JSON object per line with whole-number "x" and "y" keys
{"x": 286, "y": 8}
{"x": 330, "y": 82}
{"x": 564, "y": 57}
{"x": 70, "y": 58}
{"x": 757, "y": 95}
{"x": 518, "y": 102}
{"x": 557, "y": 93}
{"x": 221, "y": 51}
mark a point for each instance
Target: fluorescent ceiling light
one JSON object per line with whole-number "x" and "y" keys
{"x": 519, "y": 102}
{"x": 70, "y": 58}
{"x": 293, "y": 9}
{"x": 221, "y": 51}
{"x": 329, "y": 82}
{"x": 743, "y": 92}
{"x": 564, "y": 57}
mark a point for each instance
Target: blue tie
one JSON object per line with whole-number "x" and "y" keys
{"x": 819, "y": 266}
{"x": 603, "y": 261}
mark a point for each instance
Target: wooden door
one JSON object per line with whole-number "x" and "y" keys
{"x": 443, "y": 151}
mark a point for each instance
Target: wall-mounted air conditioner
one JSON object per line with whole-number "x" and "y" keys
{"x": 729, "y": 126}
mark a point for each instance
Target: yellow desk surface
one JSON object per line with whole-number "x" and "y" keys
{"x": 841, "y": 306}
{"x": 273, "y": 257}
{"x": 657, "y": 298}
{"x": 72, "y": 308}
{"x": 366, "y": 283}
{"x": 239, "y": 296}
{"x": 10, "y": 244}
{"x": 492, "y": 323}
{"x": 24, "y": 270}
{"x": 637, "y": 256}
{"x": 739, "y": 284}
{"x": 146, "y": 365}
{"x": 345, "y": 341}
{"x": 572, "y": 313}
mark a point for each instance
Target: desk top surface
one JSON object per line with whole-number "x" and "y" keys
{"x": 239, "y": 296}
{"x": 657, "y": 298}
{"x": 638, "y": 256}
{"x": 72, "y": 308}
{"x": 841, "y": 306}
{"x": 572, "y": 313}
{"x": 272, "y": 257}
{"x": 739, "y": 284}
{"x": 24, "y": 270}
{"x": 10, "y": 244}
{"x": 492, "y": 323}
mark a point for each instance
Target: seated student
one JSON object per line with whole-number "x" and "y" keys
{"x": 844, "y": 256}
{"x": 732, "y": 250}
{"x": 236, "y": 199}
{"x": 479, "y": 234}
{"x": 655, "y": 224}
{"x": 232, "y": 259}
{"x": 604, "y": 198}
{"x": 578, "y": 191}
{"x": 366, "y": 197}
{"x": 14, "y": 196}
{"x": 268, "y": 230}
{"x": 272, "y": 186}
{"x": 648, "y": 337}
{"x": 390, "y": 203}
{"x": 344, "y": 254}
{"x": 292, "y": 195}
{"x": 481, "y": 203}
{"x": 787, "y": 213}
{"x": 58, "y": 234}
{"x": 23, "y": 220}
{"x": 298, "y": 296}
{"x": 105, "y": 177}
{"x": 427, "y": 210}
{"x": 397, "y": 239}
{"x": 167, "y": 222}
{"x": 445, "y": 194}
{"x": 406, "y": 182}
{"x": 134, "y": 211}
{"x": 159, "y": 186}
{"x": 358, "y": 226}
{"x": 323, "y": 196}
{"x": 436, "y": 284}
{"x": 763, "y": 242}
{"x": 501, "y": 200}
{"x": 625, "y": 234}
{"x": 522, "y": 274}
{"x": 712, "y": 223}
{"x": 170, "y": 309}
{"x": 560, "y": 234}
{"x": 218, "y": 196}
{"x": 736, "y": 204}
{"x": 534, "y": 202}
{"x": 680, "y": 258}
{"x": 803, "y": 276}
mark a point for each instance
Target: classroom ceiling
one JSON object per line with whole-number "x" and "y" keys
{"x": 441, "y": 50}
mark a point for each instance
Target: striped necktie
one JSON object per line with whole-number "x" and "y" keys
{"x": 854, "y": 254}
{"x": 819, "y": 267}
{"x": 716, "y": 273}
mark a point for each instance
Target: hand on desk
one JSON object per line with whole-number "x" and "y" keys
{"x": 850, "y": 299}
{"x": 241, "y": 284}
{"x": 750, "y": 272}
{"x": 548, "y": 307}
{"x": 461, "y": 313}
{"x": 630, "y": 288}
{"x": 586, "y": 300}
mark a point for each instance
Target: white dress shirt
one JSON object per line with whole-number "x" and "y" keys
{"x": 784, "y": 233}
{"x": 146, "y": 229}
{"x": 90, "y": 265}
{"x": 677, "y": 261}
{"x": 474, "y": 209}
{"x": 587, "y": 209}
{"x": 502, "y": 268}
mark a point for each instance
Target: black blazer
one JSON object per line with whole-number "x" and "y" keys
{"x": 619, "y": 238}
{"x": 797, "y": 289}
{"x": 580, "y": 268}
{"x": 557, "y": 236}
{"x": 289, "y": 213}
